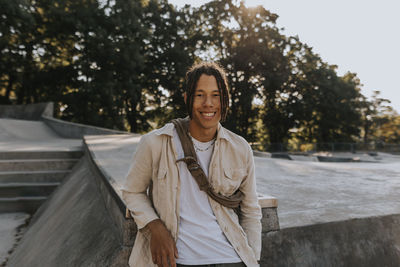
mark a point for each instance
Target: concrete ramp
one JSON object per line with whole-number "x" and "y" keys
{"x": 25, "y": 135}
{"x": 73, "y": 228}
{"x": 13, "y": 130}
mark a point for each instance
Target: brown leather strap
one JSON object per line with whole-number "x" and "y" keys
{"x": 182, "y": 127}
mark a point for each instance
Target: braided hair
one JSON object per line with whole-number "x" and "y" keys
{"x": 193, "y": 76}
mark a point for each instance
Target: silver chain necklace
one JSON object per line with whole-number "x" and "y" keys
{"x": 198, "y": 149}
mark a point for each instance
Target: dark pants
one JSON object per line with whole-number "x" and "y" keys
{"x": 239, "y": 264}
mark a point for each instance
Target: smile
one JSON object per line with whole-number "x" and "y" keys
{"x": 208, "y": 114}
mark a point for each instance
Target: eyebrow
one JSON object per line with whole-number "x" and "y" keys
{"x": 201, "y": 90}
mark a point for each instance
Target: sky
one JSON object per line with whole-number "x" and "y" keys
{"x": 361, "y": 36}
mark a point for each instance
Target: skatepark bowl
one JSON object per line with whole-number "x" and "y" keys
{"x": 61, "y": 205}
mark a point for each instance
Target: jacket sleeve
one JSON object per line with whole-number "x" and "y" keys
{"x": 134, "y": 190}
{"x": 250, "y": 210}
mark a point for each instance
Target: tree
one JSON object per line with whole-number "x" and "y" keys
{"x": 375, "y": 113}
{"x": 121, "y": 64}
{"x": 326, "y": 109}
{"x": 389, "y": 131}
{"x": 244, "y": 40}
{"x": 16, "y": 39}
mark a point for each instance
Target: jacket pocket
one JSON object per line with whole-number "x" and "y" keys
{"x": 231, "y": 180}
{"x": 235, "y": 173}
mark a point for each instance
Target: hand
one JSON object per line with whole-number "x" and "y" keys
{"x": 162, "y": 245}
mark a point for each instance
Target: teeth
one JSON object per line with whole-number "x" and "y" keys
{"x": 208, "y": 114}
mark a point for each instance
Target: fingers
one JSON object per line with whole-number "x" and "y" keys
{"x": 154, "y": 256}
{"x": 156, "y": 259}
{"x": 162, "y": 257}
{"x": 172, "y": 259}
{"x": 167, "y": 259}
{"x": 162, "y": 245}
{"x": 164, "y": 261}
{"x": 175, "y": 251}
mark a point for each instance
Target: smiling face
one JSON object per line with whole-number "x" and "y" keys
{"x": 206, "y": 112}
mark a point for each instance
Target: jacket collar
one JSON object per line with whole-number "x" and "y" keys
{"x": 168, "y": 129}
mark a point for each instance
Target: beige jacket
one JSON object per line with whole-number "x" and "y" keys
{"x": 231, "y": 167}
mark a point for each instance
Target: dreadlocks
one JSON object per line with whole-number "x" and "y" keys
{"x": 208, "y": 68}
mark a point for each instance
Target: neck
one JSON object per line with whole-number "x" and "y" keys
{"x": 202, "y": 135}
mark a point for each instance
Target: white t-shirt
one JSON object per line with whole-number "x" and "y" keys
{"x": 200, "y": 238}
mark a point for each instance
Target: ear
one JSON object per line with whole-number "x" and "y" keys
{"x": 185, "y": 97}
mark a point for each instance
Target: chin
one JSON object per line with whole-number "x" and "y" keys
{"x": 207, "y": 123}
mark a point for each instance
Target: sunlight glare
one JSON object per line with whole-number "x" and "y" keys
{"x": 254, "y": 3}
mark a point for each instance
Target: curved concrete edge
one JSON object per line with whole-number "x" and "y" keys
{"x": 113, "y": 201}
{"x": 27, "y": 111}
{"x": 44, "y": 112}
{"x": 76, "y": 130}
{"x": 74, "y": 227}
{"x": 367, "y": 242}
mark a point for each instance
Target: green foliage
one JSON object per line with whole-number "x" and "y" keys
{"x": 389, "y": 130}
{"x": 380, "y": 123}
{"x": 121, "y": 64}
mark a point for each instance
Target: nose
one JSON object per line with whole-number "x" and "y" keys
{"x": 208, "y": 101}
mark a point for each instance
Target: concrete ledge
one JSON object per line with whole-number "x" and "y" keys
{"x": 367, "y": 242}
{"x": 266, "y": 201}
{"x": 113, "y": 202}
{"x": 37, "y": 164}
{"x": 21, "y": 204}
{"x": 270, "y": 220}
{"x": 33, "y": 176}
{"x": 281, "y": 155}
{"x": 40, "y": 154}
{"x": 27, "y": 112}
{"x": 262, "y": 154}
{"x": 269, "y": 209}
{"x": 75, "y": 130}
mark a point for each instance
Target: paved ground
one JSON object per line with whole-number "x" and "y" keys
{"x": 12, "y": 226}
{"x": 316, "y": 192}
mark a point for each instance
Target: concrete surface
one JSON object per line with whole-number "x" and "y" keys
{"x": 27, "y": 112}
{"x": 28, "y": 177}
{"x": 317, "y": 192}
{"x": 12, "y": 226}
{"x": 73, "y": 228}
{"x": 75, "y": 130}
{"x": 25, "y": 147}
{"x": 25, "y": 135}
{"x": 367, "y": 242}
{"x": 16, "y": 130}
{"x": 113, "y": 155}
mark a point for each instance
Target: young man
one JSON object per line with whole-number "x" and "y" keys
{"x": 179, "y": 224}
